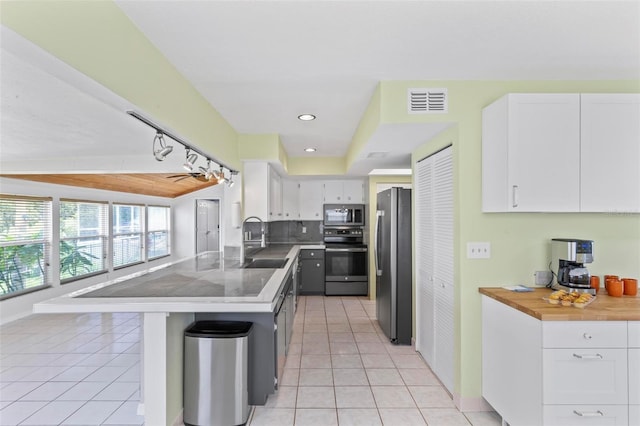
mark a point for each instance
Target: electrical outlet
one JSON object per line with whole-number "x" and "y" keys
{"x": 542, "y": 278}
{"x": 304, "y": 229}
{"x": 479, "y": 250}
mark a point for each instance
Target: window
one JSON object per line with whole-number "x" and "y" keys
{"x": 25, "y": 238}
{"x": 83, "y": 238}
{"x": 158, "y": 228}
{"x": 127, "y": 235}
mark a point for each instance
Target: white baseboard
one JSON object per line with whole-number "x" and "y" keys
{"x": 471, "y": 404}
{"x": 179, "y": 421}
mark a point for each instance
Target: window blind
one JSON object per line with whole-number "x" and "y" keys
{"x": 83, "y": 238}
{"x": 25, "y": 238}
{"x": 128, "y": 246}
{"x": 158, "y": 231}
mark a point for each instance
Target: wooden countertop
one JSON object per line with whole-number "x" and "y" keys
{"x": 604, "y": 308}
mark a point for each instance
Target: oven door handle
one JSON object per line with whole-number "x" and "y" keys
{"x": 376, "y": 246}
{"x": 360, "y": 249}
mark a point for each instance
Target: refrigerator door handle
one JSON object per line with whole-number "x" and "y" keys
{"x": 376, "y": 246}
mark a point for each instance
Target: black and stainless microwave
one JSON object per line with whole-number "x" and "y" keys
{"x": 343, "y": 215}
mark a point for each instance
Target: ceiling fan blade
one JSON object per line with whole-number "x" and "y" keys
{"x": 175, "y": 176}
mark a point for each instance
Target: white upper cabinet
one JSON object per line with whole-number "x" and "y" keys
{"x": 531, "y": 153}
{"x": 610, "y": 155}
{"x": 310, "y": 199}
{"x": 290, "y": 200}
{"x": 275, "y": 195}
{"x": 343, "y": 191}
{"x": 262, "y": 191}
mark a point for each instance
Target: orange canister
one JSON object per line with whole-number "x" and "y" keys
{"x": 615, "y": 288}
{"x": 608, "y": 278}
{"x": 595, "y": 283}
{"x": 630, "y": 286}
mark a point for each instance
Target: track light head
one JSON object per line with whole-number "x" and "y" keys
{"x": 161, "y": 152}
{"x": 190, "y": 161}
{"x": 220, "y": 176}
{"x": 208, "y": 174}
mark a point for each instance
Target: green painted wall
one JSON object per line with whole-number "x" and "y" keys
{"x": 519, "y": 241}
{"x": 97, "y": 39}
{"x": 367, "y": 126}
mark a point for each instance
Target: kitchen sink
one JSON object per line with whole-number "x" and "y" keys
{"x": 265, "y": 263}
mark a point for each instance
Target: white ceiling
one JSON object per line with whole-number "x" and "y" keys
{"x": 262, "y": 63}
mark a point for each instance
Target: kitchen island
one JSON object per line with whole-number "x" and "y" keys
{"x": 546, "y": 364}
{"x": 172, "y": 296}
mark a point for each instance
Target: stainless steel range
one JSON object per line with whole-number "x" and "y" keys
{"x": 346, "y": 261}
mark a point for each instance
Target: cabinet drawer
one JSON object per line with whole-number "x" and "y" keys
{"x": 634, "y": 376}
{"x": 570, "y": 415}
{"x": 584, "y": 376}
{"x": 584, "y": 334}
{"x": 312, "y": 254}
{"x": 634, "y": 415}
{"x": 634, "y": 334}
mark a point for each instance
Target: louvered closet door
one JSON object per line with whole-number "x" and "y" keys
{"x": 434, "y": 264}
{"x": 425, "y": 327}
{"x": 443, "y": 266}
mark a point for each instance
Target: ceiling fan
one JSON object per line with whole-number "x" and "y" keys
{"x": 197, "y": 175}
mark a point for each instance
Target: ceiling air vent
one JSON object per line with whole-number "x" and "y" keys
{"x": 428, "y": 101}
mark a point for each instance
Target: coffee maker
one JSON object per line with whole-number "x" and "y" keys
{"x": 570, "y": 255}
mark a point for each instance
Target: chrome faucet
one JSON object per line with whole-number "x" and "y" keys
{"x": 247, "y": 240}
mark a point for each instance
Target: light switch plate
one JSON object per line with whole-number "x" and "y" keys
{"x": 478, "y": 250}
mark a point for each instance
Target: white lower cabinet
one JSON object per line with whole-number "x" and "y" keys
{"x": 584, "y": 376}
{"x": 634, "y": 415}
{"x": 601, "y": 415}
{"x": 575, "y": 373}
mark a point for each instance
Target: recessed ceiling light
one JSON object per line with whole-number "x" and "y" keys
{"x": 309, "y": 150}
{"x": 306, "y": 117}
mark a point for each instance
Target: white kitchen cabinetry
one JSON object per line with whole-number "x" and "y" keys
{"x": 557, "y": 372}
{"x": 310, "y": 199}
{"x": 434, "y": 264}
{"x": 634, "y": 372}
{"x": 531, "y": 153}
{"x": 290, "y": 200}
{"x": 610, "y": 153}
{"x": 262, "y": 191}
{"x": 275, "y": 195}
{"x": 343, "y": 191}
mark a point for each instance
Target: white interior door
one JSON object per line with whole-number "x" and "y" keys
{"x": 435, "y": 320}
{"x": 207, "y": 225}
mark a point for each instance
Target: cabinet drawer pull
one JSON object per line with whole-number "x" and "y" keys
{"x": 588, "y": 413}
{"x": 514, "y": 194}
{"x": 587, "y": 336}
{"x": 596, "y": 356}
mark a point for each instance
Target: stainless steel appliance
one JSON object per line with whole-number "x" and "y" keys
{"x": 570, "y": 255}
{"x": 393, "y": 264}
{"x": 346, "y": 262}
{"x": 343, "y": 215}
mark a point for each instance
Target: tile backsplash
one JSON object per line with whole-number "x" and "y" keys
{"x": 291, "y": 231}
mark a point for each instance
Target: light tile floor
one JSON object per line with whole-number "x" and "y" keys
{"x": 342, "y": 370}
{"x": 70, "y": 369}
{"x": 84, "y": 369}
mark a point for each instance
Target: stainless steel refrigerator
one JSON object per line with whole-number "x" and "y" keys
{"x": 393, "y": 264}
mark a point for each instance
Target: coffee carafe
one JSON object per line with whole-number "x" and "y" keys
{"x": 570, "y": 255}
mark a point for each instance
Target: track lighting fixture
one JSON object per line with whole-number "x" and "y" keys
{"x": 190, "y": 161}
{"x": 163, "y": 149}
{"x": 230, "y": 180}
{"x": 220, "y": 176}
{"x": 208, "y": 174}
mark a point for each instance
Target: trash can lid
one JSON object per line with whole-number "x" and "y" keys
{"x": 219, "y": 329}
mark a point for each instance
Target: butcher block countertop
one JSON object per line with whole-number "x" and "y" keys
{"x": 604, "y": 308}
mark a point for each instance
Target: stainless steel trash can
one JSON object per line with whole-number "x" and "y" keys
{"x": 215, "y": 373}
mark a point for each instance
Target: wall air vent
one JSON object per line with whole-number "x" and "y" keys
{"x": 428, "y": 101}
